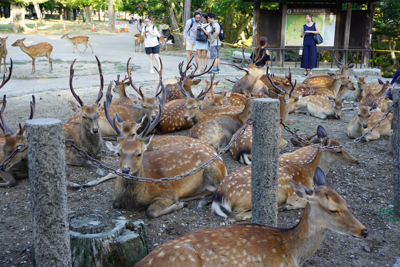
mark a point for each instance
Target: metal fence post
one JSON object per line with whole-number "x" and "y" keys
{"x": 264, "y": 161}
{"x": 396, "y": 149}
{"x": 46, "y": 162}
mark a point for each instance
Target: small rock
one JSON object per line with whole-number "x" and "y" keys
{"x": 11, "y": 206}
{"x": 367, "y": 249}
{"x": 382, "y": 254}
{"x": 352, "y": 256}
{"x": 342, "y": 240}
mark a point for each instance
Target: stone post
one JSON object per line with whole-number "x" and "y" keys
{"x": 46, "y": 162}
{"x": 396, "y": 149}
{"x": 264, "y": 161}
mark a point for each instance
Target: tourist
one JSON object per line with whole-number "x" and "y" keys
{"x": 395, "y": 77}
{"x": 259, "y": 53}
{"x": 189, "y": 36}
{"x": 152, "y": 47}
{"x": 309, "y": 57}
{"x": 203, "y": 30}
{"x": 215, "y": 43}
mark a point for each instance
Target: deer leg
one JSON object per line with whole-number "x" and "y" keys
{"x": 239, "y": 215}
{"x": 76, "y": 46}
{"x": 100, "y": 180}
{"x": 33, "y": 65}
{"x": 164, "y": 204}
{"x": 321, "y": 116}
{"x": 73, "y": 185}
{"x": 50, "y": 63}
{"x": 196, "y": 197}
{"x": 90, "y": 47}
{"x": 98, "y": 170}
{"x": 372, "y": 136}
{"x": 9, "y": 179}
{"x": 203, "y": 202}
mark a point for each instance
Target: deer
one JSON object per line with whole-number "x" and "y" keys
{"x": 37, "y": 50}
{"x": 298, "y": 165}
{"x": 139, "y": 40}
{"x": 325, "y": 79}
{"x": 365, "y": 119}
{"x": 254, "y": 244}
{"x": 78, "y": 40}
{"x": 212, "y": 98}
{"x": 249, "y": 80}
{"x": 321, "y": 106}
{"x": 3, "y": 52}
{"x": 119, "y": 89}
{"x": 161, "y": 198}
{"x": 163, "y": 43}
{"x": 379, "y": 99}
{"x": 375, "y": 88}
{"x": 17, "y": 168}
{"x": 361, "y": 81}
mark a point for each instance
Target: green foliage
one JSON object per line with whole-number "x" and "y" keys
{"x": 388, "y": 214}
{"x": 387, "y": 19}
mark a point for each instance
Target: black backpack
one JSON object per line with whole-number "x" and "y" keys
{"x": 221, "y": 34}
{"x": 201, "y": 36}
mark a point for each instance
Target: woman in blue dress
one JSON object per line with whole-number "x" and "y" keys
{"x": 309, "y": 57}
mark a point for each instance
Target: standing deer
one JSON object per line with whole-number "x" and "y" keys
{"x": 78, "y": 40}
{"x": 3, "y": 52}
{"x": 254, "y": 244}
{"x": 85, "y": 134}
{"x": 161, "y": 198}
{"x": 17, "y": 168}
{"x": 139, "y": 40}
{"x": 37, "y": 50}
{"x": 234, "y": 193}
{"x": 365, "y": 120}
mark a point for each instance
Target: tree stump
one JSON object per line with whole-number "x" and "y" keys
{"x": 100, "y": 238}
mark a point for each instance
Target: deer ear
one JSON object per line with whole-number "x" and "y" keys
{"x": 119, "y": 119}
{"x": 321, "y": 132}
{"x": 216, "y": 83}
{"x": 147, "y": 141}
{"x": 272, "y": 93}
{"x": 366, "y": 76}
{"x": 355, "y": 76}
{"x": 331, "y": 99}
{"x": 207, "y": 83}
{"x": 23, "y": 39}
{"x": 75, "y": 107}
{"x": 296, "y": 143}
{"x": 261, "y": 93}
{"x": 177, "y": 78}
{"x": 351, "y": 66}
{"x": 111, "y": 147}
{"x": 380, "y": 82}
{"x": 319, "y": 178}
{"x": 196, "y": 82}
{"x": 246, "y": 93}
{"x": 134, "y": 99}
{"x": 371, "y": 104}
{"x": 301, "y": 190}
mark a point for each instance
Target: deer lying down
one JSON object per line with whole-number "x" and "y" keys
{"x": 321, "y": 107}
{"x": 379, "y": 98}
{"x": 234, "y": 193}
{"x": 253, "y": 244}
{"x": 365, "y": 120}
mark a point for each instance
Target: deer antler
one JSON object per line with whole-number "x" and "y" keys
{"x": 32, "y": 105}
{"x": 192, "y": 75}
{"x": 273, "y": 84}
{"x": 139, "y": 91}
{"x": 229, "y": 80}
{"x": 203, "y": 94}
{"x": 183, "y": 73}
{"x": 244, "y": 56}
{"x": 236, "y": 66}
{"x": 157, "y": 93}
{"x": 71, "y": 77}
{"x": 339, "y": 63}
{"x": 265, "y": 53}
{"x": 289, "y": 78}
{"x": 107, "y": 112}
{"x": 187, "y": 94}
{"x": 100, "y": 95}
{"x": 9, "y": 75}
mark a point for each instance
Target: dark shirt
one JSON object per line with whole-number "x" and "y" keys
{"x": 396, "y": 75}
{"x": 257, "y": 57}
{"x": 171, "y": 37}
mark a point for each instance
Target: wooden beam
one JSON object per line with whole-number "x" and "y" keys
{"x": 283, "y": 30}
{"x": 256, "y": 22}
{"x": 368, "y": 32}
{"x": 187, "y": 9}
{"x": 337, "y": 43}
{"x": 347, "y": 26}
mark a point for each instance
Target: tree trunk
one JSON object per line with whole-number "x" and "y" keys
{"x": 38, "y": 12}
{"x": 99, "y": 15}
{"x": 392, "y": 48}
{"x": 111, "y": 15}
{"x": 68, "y": 9}
{"x": 74, "y": 14}
{"x": 175, "y": 28}
{"x": 18, "y": 17}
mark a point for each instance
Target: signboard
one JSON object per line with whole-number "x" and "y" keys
{"x": 296, "y": 18}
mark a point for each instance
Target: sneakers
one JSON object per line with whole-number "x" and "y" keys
{"x": 214, "y": 70}
{"x": 151, "y": 71}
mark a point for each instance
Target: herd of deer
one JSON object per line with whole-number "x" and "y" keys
{"x": 214, "y": 119}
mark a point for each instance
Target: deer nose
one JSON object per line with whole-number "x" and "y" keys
{"x": 365, "y": 126}
{"x": 95, "y": 130}
{"x": 338, "y": 117}
{"x": 185, "y": 118}
{"x": 125, "y": 170}
{"x": 364, "y": 233}
{"x": 358, "y": 162}
{"x": 153, "y": 117}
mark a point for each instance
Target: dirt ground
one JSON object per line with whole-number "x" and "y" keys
{"x": 367, "y": 188}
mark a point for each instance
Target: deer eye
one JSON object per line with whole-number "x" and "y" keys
{"x": 84, "y": 117}
{"x": 339, "y": 152}
{"x": 139, "y": 155}
{"x": 119, "y": 155}
{"x": 333, "y": 211}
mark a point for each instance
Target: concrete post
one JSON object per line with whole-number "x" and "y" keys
{"x": 396, "y": 149}
{"x": 46, "y": 162}
{"x": 264, "y": 161}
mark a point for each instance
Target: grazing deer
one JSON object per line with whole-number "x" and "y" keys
{"x": 119, "y": 89}
{"x": 321, "y": 106}
{"x": 325, "y": 79}
{"x": 379, "y": 99}
{"x": 365, "y": 120}
{"x": 78, "y": 40}
{"x": 253, "y": 244}
{"x": 161, "y": 198}
{"x": 86, "y": 134}
{"x": 17, "y": 168}
{"x": 3, "y": 52}
{"x": 234, "y": 193}
{"x": 37, "y": 50}
{"x": 139, "y": 40}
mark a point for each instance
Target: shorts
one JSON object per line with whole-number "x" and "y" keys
{"x": 153, "y": 50}
{"x": 214, "y": 52}
{"x": 190, "y": 47}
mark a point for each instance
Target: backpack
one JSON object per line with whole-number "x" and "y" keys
{"x": 201, "y": 36}
{"x": 221, "y": 34}
{"x": 191, "y": 25}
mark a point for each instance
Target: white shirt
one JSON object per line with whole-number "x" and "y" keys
{"x": 150, "y": 40}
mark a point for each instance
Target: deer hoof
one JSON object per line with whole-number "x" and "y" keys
{"x": 76, "y": 186}
{"x": 100, "y": 172}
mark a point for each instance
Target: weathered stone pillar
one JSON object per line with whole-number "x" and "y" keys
{"x": 396, "y": 148}
{"x": 264, "y": 161}
{"x": 46, "y": 162}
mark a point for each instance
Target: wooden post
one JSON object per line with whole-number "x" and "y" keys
{"x": 369, "y": 25}
{"x": 46, "y": 162}
{"x": 283, "y": 32}
{"x": 396, "y": 149}
{"x": 256, "y": 22}
{"x": 265, "y": 160}
{"x": 347, "y": 31}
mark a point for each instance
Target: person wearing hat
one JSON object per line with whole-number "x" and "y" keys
{"x": 189, "y": 36}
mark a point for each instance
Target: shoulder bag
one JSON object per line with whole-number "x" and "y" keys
{"x": 318, "y": 38}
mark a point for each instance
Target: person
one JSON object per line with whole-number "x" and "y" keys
{"x": 215, "y": 43}
{"x": 259, "y": 53}
{"x": 395, "y": 77}
{"x": 152, "y": 47}
{"x": 170, "y": 38}
{"x": 189, "y": 36}
{"x": 309, "y": 57}
{"x": 202, "y": 46}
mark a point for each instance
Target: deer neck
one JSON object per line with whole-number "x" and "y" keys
{"x": 24, "y": 48}
{"x": 121, "y": 92}
{"x": 335, "y": 87}
{"x": 69, "y": 39}
{"x": 91, "y": 143}
{"x": 326, "y": 161}
{"x": 303, "y": 240}
{"x": 382, "y": 92}
{"x": 357, "y": 92}
{"x": 199, "y": 115}
{"x": 244, "y": 115}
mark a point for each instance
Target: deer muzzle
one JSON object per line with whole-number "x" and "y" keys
{"x": 95, "y": 130}
{"x": 185, "y": 118}
{"x": 126, "y": 170}
{"x": 364, "y": 232}
{"x": 365, "y": 126}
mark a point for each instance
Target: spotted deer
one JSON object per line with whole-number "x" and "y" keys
{"x": 375, "y": 88}
{"x": 161, "y": 198}
{"x": 37, "y": 50}
{"x": 234, "y": 193}
{"x": 253, "y": 244}
{"x": 361, "y": 81}
{"x": 3, "y": 52}
{"x": 321, "y": 106}
{"x": 212, "y": 98}
{"x": 120, "y": 89}
{"x": 249, "y": 80}
{"x": 17, "y": 168}
{"x": 325, "y": 79}
{"x": 338, "y": 87}
{"x": 379, "y": 98}
{"x": 78, "y": 40}
{"x": 365, "y": 120}
{"x": 139, "y": 40}
{"x": 5, "y": 80}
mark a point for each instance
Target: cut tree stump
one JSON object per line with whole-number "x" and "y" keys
{"x": 100, "y": 238}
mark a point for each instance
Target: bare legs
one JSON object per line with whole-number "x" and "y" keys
{"x": 202, "y": 58}
{"x": 151, "y": 60}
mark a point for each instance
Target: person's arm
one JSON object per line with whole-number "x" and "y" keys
{"x": 205, "y": 31}
{"x": 185, "y": 32}
{"x": 215, "y": 35}
{"x": 302, "y": 32}
{"x": 395, "y": 76}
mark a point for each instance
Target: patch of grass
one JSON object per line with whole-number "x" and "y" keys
{"x": 19, "y": 63}
{"x": 298, "y": 121}
{"x": 389, "y": 214}
{"x": 120, "y": 67}
{"x": 347, "y": 122}
{"x": 323, "y": 121}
